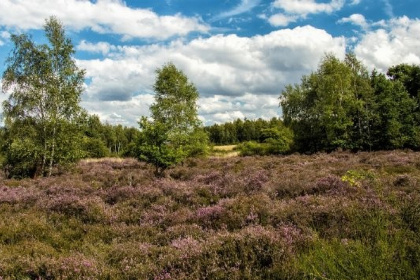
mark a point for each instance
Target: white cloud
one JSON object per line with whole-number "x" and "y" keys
{"x": 243, "y": 7}
{"x": 305, "y": 7}
{"x": 388, "y": 8}
{"x": 293, "y": 10}
{"x": 220, "y": 109}
{"x": 121, "y": 112}
{"x": 4, "y": 35}
{"x": 100, "y": 47}
{"x": 398, "y": 43}
{"x": 249, "y": 72}
{"x": 355, "y": 2}
{"x": 281, "y": 20}
{"x": 102, "y": 16}
{"x": 356, "y": 19}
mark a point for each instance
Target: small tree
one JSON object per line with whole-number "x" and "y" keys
{"x": 175, "y": 132}
{"x": 45, "y": 86}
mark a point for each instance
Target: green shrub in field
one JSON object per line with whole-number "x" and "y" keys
{"x": 94, "y": 148}
{"x": 355, "y": 177}
{"x": 273, "y": 141}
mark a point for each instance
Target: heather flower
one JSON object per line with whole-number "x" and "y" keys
{"x": 17, "y": 195}
{"x": 188, "y": 247}
{"x": 255, "y": 181}
{"x": 210, "y": 212}
{"x": 164, "y": 275}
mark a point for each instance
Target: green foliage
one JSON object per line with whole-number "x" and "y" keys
{"x": 103, "y": 140}
{"x": 175, "y": 100}
{"x": 155, "y": 146}
{"x": 274, "y": 140}
{"x": 21, "y": 153}
{"x": 94, "y": 148}
{"x": 175, "y": 132}
{"x": 341, "y": 107}
{"x": 355, "y": 177}
{"x": 252, "y": 148}
{"x": 394, "y": 122}
{"x": 240, "y": 131}
{"x": 45, "y": 86}
{"x": 409, "y": 76}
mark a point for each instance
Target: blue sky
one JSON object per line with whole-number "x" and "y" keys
{"x": 239, "y": 53}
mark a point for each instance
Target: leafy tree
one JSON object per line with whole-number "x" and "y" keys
{"x": 362, "y": 104}
{"x": 42, "y": 112}
{"x": 394, "y": 125}
{"x": 276, "y": 139}
{"x": 240, "y": 131}
{"x": 409, "y": 76}
{"x": 279, "y": 139}
{"x": 156, "y": 146}
{"x": 175, "y": 132}
{"x": 330, "y": 108}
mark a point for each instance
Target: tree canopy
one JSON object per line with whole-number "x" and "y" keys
{"x": 341, "y": 106}
{"x": 175, "y": 132}
{"x": 42, "y": 110}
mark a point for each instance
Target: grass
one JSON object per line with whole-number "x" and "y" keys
{"x": 323, "y": 216}
{"x": 225, "y": 151}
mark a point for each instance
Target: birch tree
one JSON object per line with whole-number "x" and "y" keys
{"x": 46, "y": 86}
{"x": 175, "y": 132}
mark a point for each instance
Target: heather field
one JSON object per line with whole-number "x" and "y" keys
{"x": 323, "y": 216}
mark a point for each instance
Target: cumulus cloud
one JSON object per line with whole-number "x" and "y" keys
{"x": 293, "y": 10}
{"x": 102, "y": 16}
{"x": 220, "y": 109}
{"x": 101, "y": 47}
{"x": 121, "y": 112}
{"x": 398, "y": 42}
{"x": 243, "y": 7}
{"x": 237, "y": 68}
{"x": 281, "y": 20}
{"x": 305, "y": 7}
{"x": 356, "y": 19}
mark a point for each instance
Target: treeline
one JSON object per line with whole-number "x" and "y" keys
{"x": 339, "y": 106}
{"x": 342, "y": 106}
{"x": 104, "y": 140}
{"x": 240, "y": 131}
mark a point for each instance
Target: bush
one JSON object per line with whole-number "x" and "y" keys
{"x": 94, "y": 148}
{"x": 252, "y": 148}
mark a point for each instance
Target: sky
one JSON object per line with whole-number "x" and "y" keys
{"x": 240, "y": 54}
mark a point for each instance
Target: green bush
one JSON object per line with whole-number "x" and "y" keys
{"x": 94, "y": 148}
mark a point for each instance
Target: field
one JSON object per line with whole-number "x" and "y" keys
{"x": 323, "y": 216}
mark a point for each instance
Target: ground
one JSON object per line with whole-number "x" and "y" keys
{"x": 322, "y": 216}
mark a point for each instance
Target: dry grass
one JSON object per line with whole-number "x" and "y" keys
{"x": 107, "y": 159}
{"x": 224, "y": 148}
{"x": 226, "y": 151}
